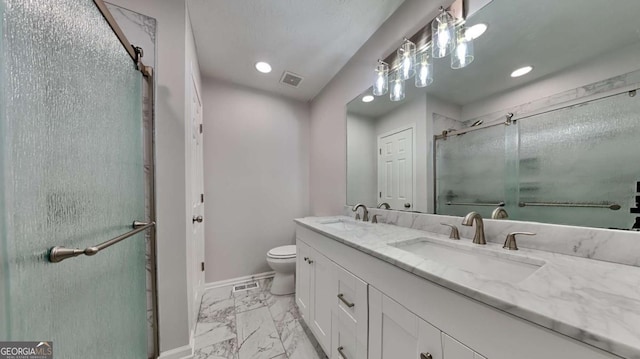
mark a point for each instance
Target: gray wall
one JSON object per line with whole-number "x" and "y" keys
{"x": 362, "y": 183}
{"x": 256, "y": 176}
{"x": 328, "y": 114}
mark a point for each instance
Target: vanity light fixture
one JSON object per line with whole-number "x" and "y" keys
{"x": 424, "y": 69}
{"x": 476, "y": 31}
{"x": 443, "y": 33}
{"x": 462, "y": 56}
{"x": 263, "y": 67}
{"x": 381, "y": 86}
{"x": 521, "y": 71}
{"x": 397, "y": 87}
{"x": 407, "y": 56}
{"x": 367, "y": 98}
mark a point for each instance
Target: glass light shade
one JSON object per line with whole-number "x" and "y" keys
{"x": 443, "y": 33}
{"x": 381, "y": 85}
{"x": 397, "y": 87}
{"x": 407, "y": 59}
{"x": 462, "y": 55}
{"x": 424, "y": 69}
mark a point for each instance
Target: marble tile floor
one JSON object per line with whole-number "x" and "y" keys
{"x": 252, "y": 324}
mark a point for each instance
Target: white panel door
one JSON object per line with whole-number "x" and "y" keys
{"x": 197, "y": 196}
{"x": 397, "y": 333}
{"x": 395, "y": 169}
{"x": 322, "y": 297}
{"x": 303, "y": 280}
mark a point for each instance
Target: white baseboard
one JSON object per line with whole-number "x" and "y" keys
{"x": 183, "y": 352}
{"x": 248, "y": 278}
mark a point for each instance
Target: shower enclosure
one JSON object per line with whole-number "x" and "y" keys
{"x": 76, "y": 170}
{"x": 574, "y": 165}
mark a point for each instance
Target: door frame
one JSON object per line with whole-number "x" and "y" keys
{"x": 412, "y": 127}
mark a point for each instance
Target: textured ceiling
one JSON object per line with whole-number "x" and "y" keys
{"x": 311, "y": 38}
{"x": 550, "y": 35}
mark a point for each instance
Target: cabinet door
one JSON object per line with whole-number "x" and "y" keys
{"x": 397, "y": 333}
{"x": 303, "y": 280}
{"x": 453, "y": 349}
{"x": 321, "y": 297}
{"x": 350, "y": 298}
{"x": 344, "y": 340}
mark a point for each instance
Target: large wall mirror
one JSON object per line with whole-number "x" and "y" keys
{"x": 559, "y": 144}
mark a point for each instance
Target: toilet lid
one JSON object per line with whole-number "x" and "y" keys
{"x": 283, "y": 252}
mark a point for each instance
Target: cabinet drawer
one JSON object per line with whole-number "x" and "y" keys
{"x": 453, "y": 349}
{"x": 350, "y": 300}
{"x": 345, "y": 341}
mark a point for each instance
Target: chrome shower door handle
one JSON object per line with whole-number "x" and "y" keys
{"x": 198, "y": 219}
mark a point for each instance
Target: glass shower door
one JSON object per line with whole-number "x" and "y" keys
{"x": 71, "y": 174}
{"x": 470, "y": 172}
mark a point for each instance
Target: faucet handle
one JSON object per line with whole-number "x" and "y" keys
{"x": 510, "y": 242}
{"x": 374, "y": 219}
{"x": 357, "y": 216}
{"x": 455, "y": 234}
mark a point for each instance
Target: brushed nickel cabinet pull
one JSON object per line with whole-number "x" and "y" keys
{"x": 349, "y": 304}
{"x": 426, "y": 356}
{"x": 340, "y": 350}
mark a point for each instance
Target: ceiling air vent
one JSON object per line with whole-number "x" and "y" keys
{"x": 291, "y": 79}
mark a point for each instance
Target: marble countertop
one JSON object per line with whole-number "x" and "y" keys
{"x": 592, "y": 301}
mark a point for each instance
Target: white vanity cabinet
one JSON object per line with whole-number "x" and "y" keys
{"x": 399, "y": 315}
{"x": 395, "y": 332}
{"x": 332, "y": 302}
{"x": 314, "y": 286}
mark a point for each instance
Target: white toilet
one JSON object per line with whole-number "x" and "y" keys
{"x": 283, "y": 261}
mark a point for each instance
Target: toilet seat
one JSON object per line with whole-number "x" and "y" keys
{"x": 283, "y": 252}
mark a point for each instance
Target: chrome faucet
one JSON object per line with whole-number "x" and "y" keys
{"x": 385, "y": 205}
{"x": 468, "y": 220}
{"x": 365, "y": 213}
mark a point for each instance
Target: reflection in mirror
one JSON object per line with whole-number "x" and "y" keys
{"x": 567, "y": 155}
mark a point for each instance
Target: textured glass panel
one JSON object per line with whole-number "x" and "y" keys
{"x": 582, "y": 154}
{"x": 470, "y": 169}
{"x": 72, "y": 175}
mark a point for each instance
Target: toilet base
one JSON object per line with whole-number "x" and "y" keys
{"x": 283, "y": 284}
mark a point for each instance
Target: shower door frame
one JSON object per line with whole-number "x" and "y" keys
{"x": 150, "y": 159}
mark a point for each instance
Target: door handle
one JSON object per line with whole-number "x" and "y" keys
{"x": 198, "y": 219}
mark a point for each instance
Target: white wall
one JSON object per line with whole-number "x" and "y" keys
{"x": 256, "y": 176}
{"x": 328, "y": 114}
{"x": 412, "y": 113}
{"x": 170, "y": 167}
{"x": 362, "y": 180}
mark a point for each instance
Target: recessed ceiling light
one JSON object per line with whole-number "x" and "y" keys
{"x": 521, "y": 71}
{"x": 367, "y": 98}
{"x": 475, "y": 31}
{"x": 263, "y": 67}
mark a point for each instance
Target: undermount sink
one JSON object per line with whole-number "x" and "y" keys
{"x": 489, "y": 264}
{"x": 343, "y": 224}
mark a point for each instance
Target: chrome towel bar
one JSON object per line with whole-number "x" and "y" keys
{"x": 611, "y": 206}
{"x": 499, "y": 204}
{"x": 59, "y": 253}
